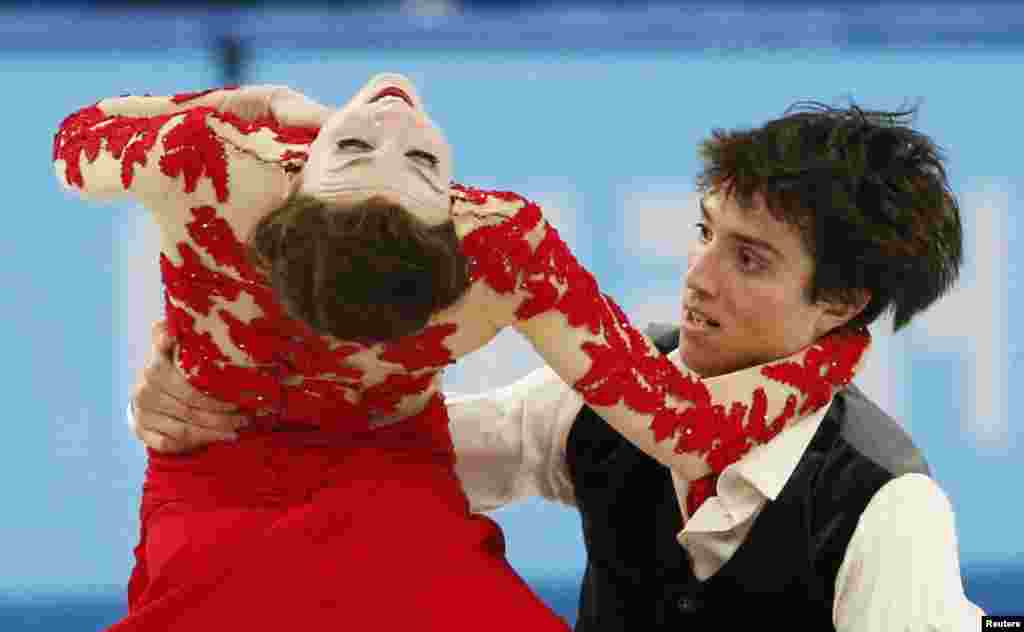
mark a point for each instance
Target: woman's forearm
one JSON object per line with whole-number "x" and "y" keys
{"x": 540, "y": 289}
{"x": 159, "y": 148}
{"x": 691, "y": 425}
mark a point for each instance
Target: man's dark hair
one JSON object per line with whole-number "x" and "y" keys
{"x": 868, "y": 194}
{"x": 369, "y": 271}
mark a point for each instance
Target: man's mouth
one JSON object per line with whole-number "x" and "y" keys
{"x": 392, "y": 91}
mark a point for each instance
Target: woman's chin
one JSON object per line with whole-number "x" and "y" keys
{"x": 391, "y": 79}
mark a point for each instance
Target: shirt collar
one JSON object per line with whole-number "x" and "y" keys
{"x": 760, "y": 474}
{"x": 767, "y": 467}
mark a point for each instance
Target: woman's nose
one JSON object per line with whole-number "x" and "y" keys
{"x": 395, "y": 117}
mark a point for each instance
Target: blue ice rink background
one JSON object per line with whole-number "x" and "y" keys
{"x": 597, "y": 124}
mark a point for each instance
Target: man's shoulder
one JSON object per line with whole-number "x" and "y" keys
{"x": 875, "y": 435}
{"x": 664, "y": 336}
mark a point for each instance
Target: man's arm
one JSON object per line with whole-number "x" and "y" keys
{"x": 901, "y": 570}
{"x": 168, "y": 414}
{"x": 510, "y": 443}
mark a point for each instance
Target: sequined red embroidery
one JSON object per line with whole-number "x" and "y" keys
{"x": 476, "y": 196}
{"x": 128, "y": 139}
{"x": 288, "y": 347}
{"x": 296, "y": 136}
{"x": 384, "y": 397}
{"x": 282, "y": 134}
{"x": 552, "y": 261}
{"x": 828, "y": 364}
{"x": 425, "y": 349}
{"x": 193, "y": 150}
{"x": 214, "y": 270}
{"x": 623, "y": 367}
{"x": 498, "y": 253}
{"x": 73, "y": 137}
{"x": 215, "y": 236}
{"x": 610, "y": 378}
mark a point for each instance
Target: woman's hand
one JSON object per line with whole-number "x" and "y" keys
{"x": 169, "y": 414}
{"x": 288, "y": 107}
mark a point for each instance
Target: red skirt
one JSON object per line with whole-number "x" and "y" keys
{"x": 304, "y": 530}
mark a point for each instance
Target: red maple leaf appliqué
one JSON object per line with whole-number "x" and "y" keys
{"x": 127, "y": 138}
{"x": 193, "y": 150}
{"x": 215, "y": 236}
{"x": 383, "y": 398}
{"x": 828, "y": 364}
{"x": 422, "y": 350}
{"x": 282, "y": 134}
{"x": 498, "y": 253}
{"x": 623, "y": 367}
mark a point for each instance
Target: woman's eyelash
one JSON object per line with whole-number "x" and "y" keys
{"x": 431, "y": 159}
{"x": 348, "y": 144}
{"x": 354, "y": 143}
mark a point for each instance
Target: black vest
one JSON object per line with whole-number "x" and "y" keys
{"x": 638, "y": 576}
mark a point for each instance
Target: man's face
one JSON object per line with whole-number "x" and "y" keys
{"x": 744, "y": 294}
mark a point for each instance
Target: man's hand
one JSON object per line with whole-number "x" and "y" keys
{"x": 172, "y": 416}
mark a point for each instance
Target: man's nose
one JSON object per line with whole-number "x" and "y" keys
{"x": 701, "y": 272}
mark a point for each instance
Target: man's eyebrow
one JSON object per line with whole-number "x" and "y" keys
{"x": 750, "y": 240}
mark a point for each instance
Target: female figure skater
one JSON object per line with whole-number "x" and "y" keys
{"x": 320, "y": 273}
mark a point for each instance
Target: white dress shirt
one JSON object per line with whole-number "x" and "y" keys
{"x": 900, "y": 571}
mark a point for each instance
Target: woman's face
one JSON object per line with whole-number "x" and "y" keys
{"x": 383, "y": 143}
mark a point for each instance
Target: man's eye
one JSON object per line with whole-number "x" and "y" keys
{"x": 703, "y": 231}
{"x": 749, "y": 262}
{"x": 354, "y": 144}
{"x": 423, "y": 158}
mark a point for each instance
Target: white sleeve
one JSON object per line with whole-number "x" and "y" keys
{"x": 901, "y": 570}
{"x": 510, "y": 442}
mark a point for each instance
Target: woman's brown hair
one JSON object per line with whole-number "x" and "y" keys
{"x": 369, "y": 271}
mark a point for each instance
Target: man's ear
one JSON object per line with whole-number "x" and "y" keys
{"x": 837, "y": 313}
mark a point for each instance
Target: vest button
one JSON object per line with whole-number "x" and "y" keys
{"x": 687, "y": 605}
